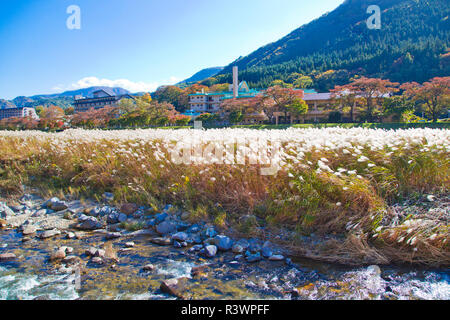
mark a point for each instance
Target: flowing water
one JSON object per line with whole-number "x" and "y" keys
{"x": 33, "y": 276}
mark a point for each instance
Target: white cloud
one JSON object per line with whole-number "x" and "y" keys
{"x": 123, "y": 83}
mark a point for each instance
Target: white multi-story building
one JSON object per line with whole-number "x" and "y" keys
{"x": 21, "y": 112}
{"x": 210, "y": 102}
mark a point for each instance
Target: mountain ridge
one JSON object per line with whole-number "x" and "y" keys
{"x": 202, "y": 75}
{"x": 414, "y": 36}
{"x": 63, "y": 99}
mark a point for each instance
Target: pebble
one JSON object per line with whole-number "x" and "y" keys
{"x": 199, "y": 269}
{"x": 276, "y": 257}
{"x": 5, "y": 211}
{"x": 237, "y": 248}
{"x": 71, "y": 235}
{"x": 176, "y": 244}
{"x": 195, "y": 248}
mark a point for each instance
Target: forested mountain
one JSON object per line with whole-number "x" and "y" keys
{"x": 63, "y": 100}
{"x": 412, "y": 45}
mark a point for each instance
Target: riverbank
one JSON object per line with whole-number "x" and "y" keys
{"x": 53, "y": 249}
{"x": 334, "y": 194}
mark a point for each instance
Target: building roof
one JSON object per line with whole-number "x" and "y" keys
{"x": 318, "y": 96}
{"x": 109, "y": 98}
{"x": 108, "y": 91}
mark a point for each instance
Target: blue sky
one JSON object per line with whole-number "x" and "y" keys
{"x": 136, "y": 44}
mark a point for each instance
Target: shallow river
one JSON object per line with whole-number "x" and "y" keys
{"x": 32, "y": 276}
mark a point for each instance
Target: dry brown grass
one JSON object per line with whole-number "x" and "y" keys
{"x": 300, "y": 198}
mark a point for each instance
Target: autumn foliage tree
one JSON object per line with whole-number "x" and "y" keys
{"x": 144, "y": 112}
{"x": 95, "y": 118}
{"x": 16, "y": 123}
{"x": 282, "y": 100}
{"x": 51, "y": 118}
{"x": 236, "y": 109}
{"x": 434, "y": 95}
{"x": 371, "y": 90}
{"x": 346, "y": 99}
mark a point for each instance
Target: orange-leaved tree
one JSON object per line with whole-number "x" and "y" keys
{"x": 434, "y": 95}
{"x": 371, "y": 90}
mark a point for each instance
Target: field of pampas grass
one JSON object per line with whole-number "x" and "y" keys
{"x": 326, "y": 182}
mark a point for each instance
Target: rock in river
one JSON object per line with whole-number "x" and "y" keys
{"x": 58, "y": 255}
{"x": 89, "y": 223}
{"x": 210, "y": 251}
{"x": 161, "y": 241}
{"x": 7, "y": 257}
{"x": 97, "y": 260}
{"x": 50, "y": 233}
{"x": 116, "y": 217}
{"x": 267, "y": 252}
{"x": 276, "y": 257}
{"x": 94, "y": 252}
{"x": 223, "y": 243}
{"x": 172, "y": 287}
{"x": 237, "y": 248}
{"x": 149, "y": 267}
{"x": 55, "y": 204}
{"x": 180, "y": 236}
{"x": 113, "y": 235}
{"x": 130, "y": 244}
{"x": 5, "y": 211}
{"x": 160, "y": 217}
{"x": 128, "y": 208}
{"x": 255, "y": 257}
{"x": 209, "y": 232}
{"x": 28, "y": 229}
{"x": 166, "y": 227}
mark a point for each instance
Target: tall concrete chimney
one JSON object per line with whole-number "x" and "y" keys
{"x": 235, "y": 82}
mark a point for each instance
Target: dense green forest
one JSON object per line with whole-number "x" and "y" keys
{"x": 412, "y": 45}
